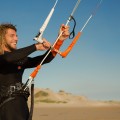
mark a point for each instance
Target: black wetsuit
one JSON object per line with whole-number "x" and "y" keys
{"x": 12, "y": 66}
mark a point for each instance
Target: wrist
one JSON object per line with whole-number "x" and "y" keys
{"x": 36, "y": 46}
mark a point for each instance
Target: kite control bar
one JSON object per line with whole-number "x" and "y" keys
{"x": 66, "y": 52}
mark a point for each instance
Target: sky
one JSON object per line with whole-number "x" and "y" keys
{"x": 92, "y": 68}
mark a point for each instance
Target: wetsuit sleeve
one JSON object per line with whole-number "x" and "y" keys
{"x": 33, "y": 62}
{"x": 16, "y": 55}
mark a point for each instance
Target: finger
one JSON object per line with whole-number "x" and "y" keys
{"x": 46, "y": 44}
{"x": 62, "y": 27}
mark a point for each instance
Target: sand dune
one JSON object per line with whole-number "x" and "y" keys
{"x": 47, "y": 97}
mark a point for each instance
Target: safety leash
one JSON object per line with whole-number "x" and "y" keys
{"x": 32, "y": 101}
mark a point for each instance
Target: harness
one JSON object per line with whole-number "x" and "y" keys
{"x": 8, "y": 93}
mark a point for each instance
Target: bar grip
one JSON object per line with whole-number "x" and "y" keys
{"x": 65, "y": 53}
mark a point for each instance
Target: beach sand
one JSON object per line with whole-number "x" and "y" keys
{"x": 63, "y": 112}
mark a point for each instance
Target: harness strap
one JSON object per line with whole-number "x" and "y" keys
{"x": 6, "y": 100}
